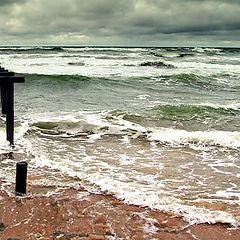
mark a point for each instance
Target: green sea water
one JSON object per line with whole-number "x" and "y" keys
{"x": 156, "y": 127}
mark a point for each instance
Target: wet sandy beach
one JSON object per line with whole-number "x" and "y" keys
{"x": 55, "y": 212}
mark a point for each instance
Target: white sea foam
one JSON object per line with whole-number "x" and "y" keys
{"x": 228, "y": 194}
{"x": 202, "y": 50}
{"x": 4, "y": 144}
{"x": 98, "y": 125}
{"x": 174, "y": 136}
{"x": 130, "y": 194}
{"x": 58, "y": 63}
{"x": 19, "y": 132}
{"x": 132, "y": 187}
{"x": 234, "y": 106}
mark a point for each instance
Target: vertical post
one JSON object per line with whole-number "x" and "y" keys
{"x": 3, "y": 97}
{"x": 21, "y": 178}
{"x": 10, "y": 111}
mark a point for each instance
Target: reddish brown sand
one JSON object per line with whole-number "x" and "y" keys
{"x": 63, "y": 213}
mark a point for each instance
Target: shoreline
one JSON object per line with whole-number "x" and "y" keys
{"x": 56, "y": 212}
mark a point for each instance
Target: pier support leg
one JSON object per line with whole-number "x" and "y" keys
{"x": 3, "y": 98}
{"x": 21, "y": 178}
{"x": 10, "y": 112}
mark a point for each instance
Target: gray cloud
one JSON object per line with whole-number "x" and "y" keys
{"x": 9, "y": 2}
{"x": 123, "y": 22}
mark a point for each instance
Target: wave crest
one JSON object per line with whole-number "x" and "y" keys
{"x": 190, "y": 112}
{"x": 94, "y": 127}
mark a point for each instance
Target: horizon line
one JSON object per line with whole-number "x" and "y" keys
{"x": 121, "y": 46}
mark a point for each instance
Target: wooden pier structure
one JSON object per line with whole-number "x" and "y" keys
{"x": 7, "y": 80}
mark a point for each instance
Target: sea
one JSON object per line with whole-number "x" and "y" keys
{"x": 157, "y": 127}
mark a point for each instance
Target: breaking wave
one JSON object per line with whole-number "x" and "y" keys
{"x": 126, "y": 125}
{"x": 30, "y": 50}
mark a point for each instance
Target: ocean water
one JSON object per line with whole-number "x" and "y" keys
{"x": 155, "y": 127}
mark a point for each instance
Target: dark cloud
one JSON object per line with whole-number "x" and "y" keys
{"x": 144, "y": 22}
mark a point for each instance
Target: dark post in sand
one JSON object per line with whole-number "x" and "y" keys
{"x": 21, "y": 178}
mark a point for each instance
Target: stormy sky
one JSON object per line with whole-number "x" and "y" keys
{"x": 120, "y": 22}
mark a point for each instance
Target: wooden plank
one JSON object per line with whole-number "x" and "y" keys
{"x": 6, "y": 73}
{"x": 6, "y": 79}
